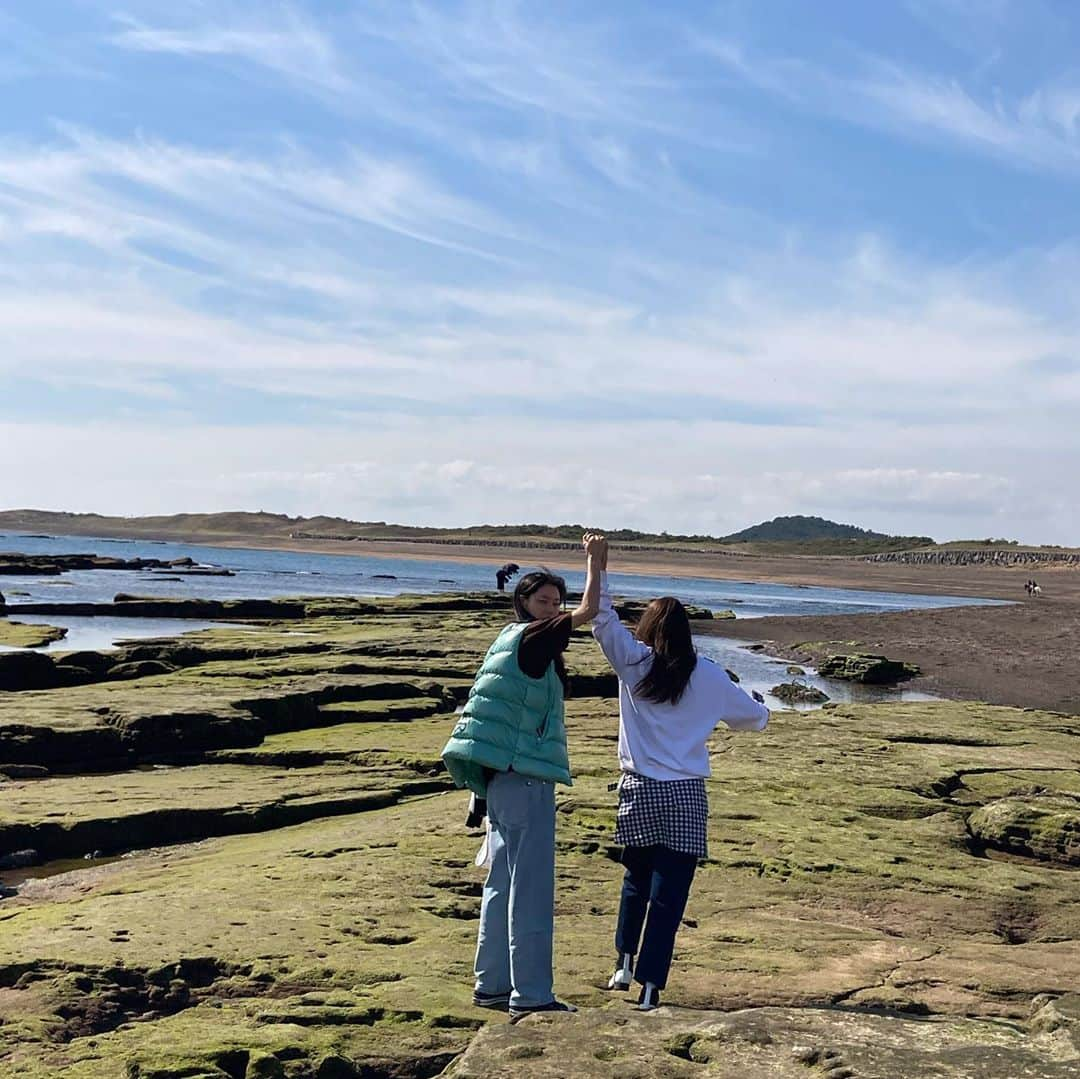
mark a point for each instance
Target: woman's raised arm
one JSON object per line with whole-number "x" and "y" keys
{"x": 596, "y": 547}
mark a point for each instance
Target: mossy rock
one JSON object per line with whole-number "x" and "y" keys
{"x": 841, "y": 870}
{"x": 29, "y": 635}
{"x": 1042, "y": 826}
{"x": 798, "y": 693}
{"x": 867, "y": 669}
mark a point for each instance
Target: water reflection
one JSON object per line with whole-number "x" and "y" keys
{"x": 757, "y": 670}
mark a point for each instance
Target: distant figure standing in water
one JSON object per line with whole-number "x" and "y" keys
{"x": 504, "y": 573}
{"x": 670, "y": 701}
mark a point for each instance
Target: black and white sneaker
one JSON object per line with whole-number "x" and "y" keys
{"x": 552, "y": 1006}
{"x": 649, "y": 999}
{"x": 624, "y": 973}
{"x": 499, "y": 1002}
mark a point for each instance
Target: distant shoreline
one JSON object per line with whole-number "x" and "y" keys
{"x": 1021, "y": 654}
{"x": 828, "y": 571}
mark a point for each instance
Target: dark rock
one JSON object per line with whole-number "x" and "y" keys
{"x": 141, "y": 668}
{"x": 130, "y": 606}
{"x": 7, "y": 893}
{"x": 15, "y": 563}
{"x": 19, "y": 859}
{"x": 867, "y": 669}
{"x": 93, "y": 662}
{"x": 336, "y": 1067}
{"x": 27, "y": 670}
{"x": 74, "y": 676}
{"x": 62, "y": 750}
{"x": 22, "y": 771}
{"x": 798, "y": 693}
{"x": 264, "y": 1066}
{"x": 632, "y": 609}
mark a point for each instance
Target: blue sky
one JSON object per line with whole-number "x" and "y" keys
{"x": 680, "y": 267}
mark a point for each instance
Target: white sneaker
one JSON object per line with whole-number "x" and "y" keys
{"x": 624, "y": 973}
{"x": 650, "y": 998}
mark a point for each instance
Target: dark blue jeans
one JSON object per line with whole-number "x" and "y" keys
{"x": 654, "y": 893}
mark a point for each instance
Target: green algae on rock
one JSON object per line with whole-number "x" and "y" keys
{"x": 1037, "y": 824}
{"x": 799, "y": 693}
{"x": 868, "y": 669}
{"x": 29, "y": 635}
{"x": 847, "y": 917}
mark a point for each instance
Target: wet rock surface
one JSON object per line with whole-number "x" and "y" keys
{"x": 889, "y": 890}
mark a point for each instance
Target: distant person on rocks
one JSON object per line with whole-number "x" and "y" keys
{"x": 670, "y": 701}
{"x": 509, "y": 747}
{"x": 504, "y": 573}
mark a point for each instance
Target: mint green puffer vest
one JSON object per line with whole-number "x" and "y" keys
{"x": 510, "y": 721}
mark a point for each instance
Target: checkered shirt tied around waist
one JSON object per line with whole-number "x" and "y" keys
{"x": 669, "y": 812}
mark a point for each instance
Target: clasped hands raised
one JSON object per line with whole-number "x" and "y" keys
{"x": 596, "y": 548}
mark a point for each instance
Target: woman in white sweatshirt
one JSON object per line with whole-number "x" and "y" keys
{"x": 670, "y": 701}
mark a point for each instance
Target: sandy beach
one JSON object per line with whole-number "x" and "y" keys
{"x": 1022, "y": 655}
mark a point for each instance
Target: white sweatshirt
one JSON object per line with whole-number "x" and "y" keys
{"x": 668, "y": 741}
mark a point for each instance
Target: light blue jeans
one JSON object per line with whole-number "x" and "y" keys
{"x": 513, "y": 950}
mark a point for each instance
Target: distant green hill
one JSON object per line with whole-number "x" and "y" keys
{"x": 821, "y": 533}
{"x": 795, "y": 535}
{"x": 799, "y": 529}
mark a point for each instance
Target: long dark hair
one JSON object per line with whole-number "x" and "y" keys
{"x": 533, "y": 582}
{"x": 665, "y": 628}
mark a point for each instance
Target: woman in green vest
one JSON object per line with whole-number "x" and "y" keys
{"x": 509, "y": 747}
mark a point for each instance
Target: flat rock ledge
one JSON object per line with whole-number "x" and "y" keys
{"x": 776, "y": 1043}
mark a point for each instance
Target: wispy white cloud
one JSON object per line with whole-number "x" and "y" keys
{"x": 222, "y": 208}
{"x": 278, "y": 38}
{"x": 514, "y": 220}
{"x": 1038, "y": 129}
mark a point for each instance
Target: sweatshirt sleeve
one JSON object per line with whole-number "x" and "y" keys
{"x": 734, "y": 705}
{"x": 623, "y": 650}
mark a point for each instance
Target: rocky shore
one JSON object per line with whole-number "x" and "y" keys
{"x": 982, "y": 557}
{"x": 16, "y": 564}
{"x": 1022, "y": 654}
{"x": 282, "y": 886}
